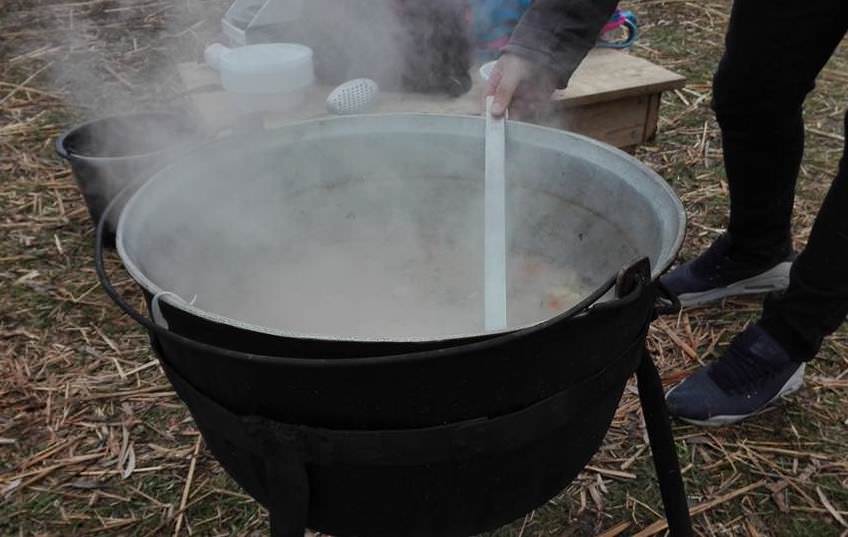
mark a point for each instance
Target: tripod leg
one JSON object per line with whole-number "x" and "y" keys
{"x": 662, "y": 448}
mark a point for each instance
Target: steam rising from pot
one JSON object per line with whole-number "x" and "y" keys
{"x": 373, "y": 254}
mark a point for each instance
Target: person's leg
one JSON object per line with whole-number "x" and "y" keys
{"x": 765, "y": 362}
{"x": 763, "y": 140}
{"x": 774, "y": 52}
{"x": 816, "y": 303}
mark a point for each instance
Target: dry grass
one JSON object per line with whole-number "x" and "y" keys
{"x": 93, "y": 441}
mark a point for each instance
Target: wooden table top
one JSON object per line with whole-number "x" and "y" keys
{"x": 605, "y": 75}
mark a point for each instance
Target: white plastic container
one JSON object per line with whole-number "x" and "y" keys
{"x": 267, "y": 77}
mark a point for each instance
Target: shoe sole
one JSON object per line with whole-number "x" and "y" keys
{"x": 774, "y": 279}
{"x": 792, "y": 385}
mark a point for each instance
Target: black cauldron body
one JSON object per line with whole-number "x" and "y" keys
{"x": 483, "y": 457}
{"x": 447, "y": 442}
{"x": 339, "y": 385}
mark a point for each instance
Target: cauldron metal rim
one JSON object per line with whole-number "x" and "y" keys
{"x": 140, "y": 278}
{"x": 67, "y": 154}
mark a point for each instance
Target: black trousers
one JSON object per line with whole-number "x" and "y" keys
{"x": 774, "y": 51}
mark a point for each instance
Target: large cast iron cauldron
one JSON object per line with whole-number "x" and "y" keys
{"x": 362, "y": 237}
{"x": 437, "y": 428}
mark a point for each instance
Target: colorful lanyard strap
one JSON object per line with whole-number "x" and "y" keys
{"x": 621, "y": 19}
{"x": 494, "y": 21}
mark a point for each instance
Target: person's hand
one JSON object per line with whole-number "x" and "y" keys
{"x": 522, "y": 86}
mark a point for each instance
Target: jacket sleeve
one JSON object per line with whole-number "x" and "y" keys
{"x": 559, "y": 33}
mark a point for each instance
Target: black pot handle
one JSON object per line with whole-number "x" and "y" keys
{"x": 100, "y": 267}
{"x": 632, "y": 276}
{"x": 153, "y": 329}
{"x": 668, "y": 303}
{"x": 639, "y": 272}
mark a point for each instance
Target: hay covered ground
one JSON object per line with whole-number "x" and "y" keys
{"x": 92, "y": 439}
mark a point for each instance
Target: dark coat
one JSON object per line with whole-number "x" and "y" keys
{"x": 559, "y": 33}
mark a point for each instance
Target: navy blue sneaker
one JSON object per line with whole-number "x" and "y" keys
{"x": 753, "y": 373}
{"x": 714, "y": 275}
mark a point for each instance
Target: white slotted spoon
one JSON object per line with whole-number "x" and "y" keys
{"x": 353, "y": 97}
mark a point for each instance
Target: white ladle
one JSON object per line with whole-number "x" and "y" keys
{"x": 495, "y": 222}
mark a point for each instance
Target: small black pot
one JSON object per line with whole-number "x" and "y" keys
{"x": 111, "y": 153}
